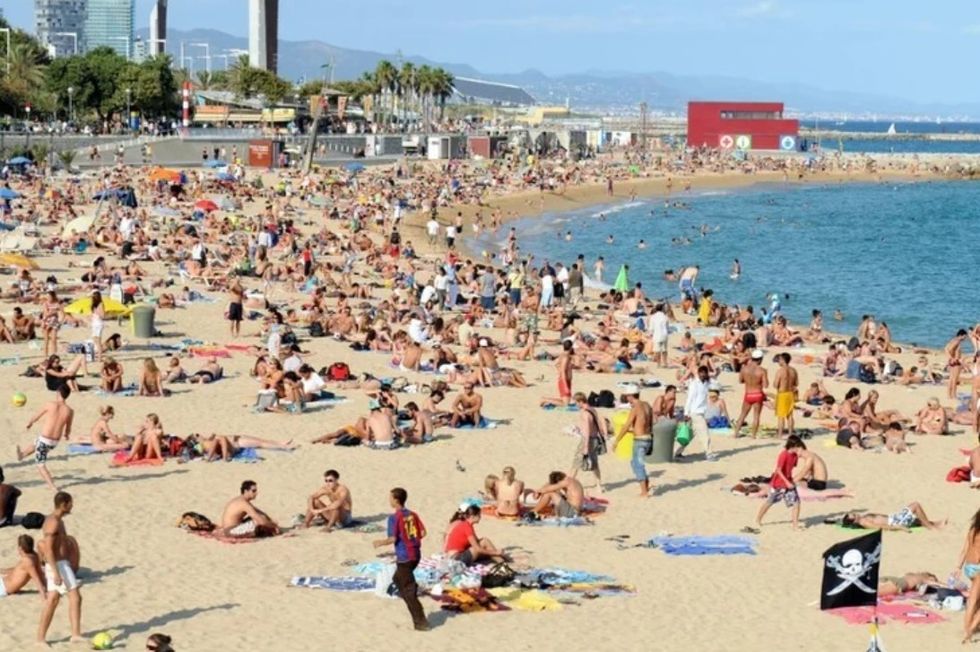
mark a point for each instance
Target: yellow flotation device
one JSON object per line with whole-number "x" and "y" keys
{"x": 624, "y": 449}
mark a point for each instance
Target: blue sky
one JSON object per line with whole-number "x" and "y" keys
{"x": 906, "y": 48}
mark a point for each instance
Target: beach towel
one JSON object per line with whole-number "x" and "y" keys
{"x": 128, "y": 390}
{"x": 525, "y": 600}
{"x": 809, "y": 495}
{"x": 119, "y": 460}
{"x": 557, "y": 521}
{"x": 560, "y": 577}
{"x": 566, "y": 408}
{"x": 216, "y": 536}
{"x": 209, "y": 351}
{"x": 704, "y": 545}
{"x": 888, "y": 612}
{"x": 347, "y": 584}
{"x": 470, "y": 601}
{"x": 83, "y": 449}
{"x": 243, "y": 455}
{"x": 485, "y": 424}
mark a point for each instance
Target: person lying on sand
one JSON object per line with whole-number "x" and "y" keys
{"x": 209, "y": 372}
{"x": 331, "y": 503}
{"x": 377, "y": 429}
{"x": 243, "y": 519}
{"x": 226, "y": 446}
{"x": 917, "y": 582}
{"x": 905, "y": 519}
{"x": 27, "y": 569}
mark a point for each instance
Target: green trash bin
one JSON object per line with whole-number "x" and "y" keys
{"x": 142, "y": 317}
{"x": 664, "y": 432}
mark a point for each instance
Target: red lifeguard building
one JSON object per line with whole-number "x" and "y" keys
{"x": 741, "y": 125}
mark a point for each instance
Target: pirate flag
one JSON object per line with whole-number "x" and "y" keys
{"x": 850, "y": 573}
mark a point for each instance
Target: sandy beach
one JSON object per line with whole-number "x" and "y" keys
{"x": 141, "y": 573}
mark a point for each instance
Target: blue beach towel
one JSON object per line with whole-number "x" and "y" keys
{"x": 485, "y": 424}
{"x": 83, "y": 449}
{"x": 704, "y": 545}
{"x": 127, "y": 391}
{"x": 557, "y": 521}
{"x": 568, "y": 408}
{"x": 348, "y": 584}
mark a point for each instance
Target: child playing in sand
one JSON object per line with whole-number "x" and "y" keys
{"x": 782, "y": 486}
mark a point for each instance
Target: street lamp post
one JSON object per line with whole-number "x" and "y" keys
{"x": 7, "y": 51}
{"x": 28, "y": 109}
{"x": 71, "y": 107}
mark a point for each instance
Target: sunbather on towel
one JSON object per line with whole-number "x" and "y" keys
{"x": 227, "y": 446}
{"x": 888, "y": 585}
{"x": 463, "y": 544}
{"x": 506, "y": 492}
{"x": 563, "y": 494}
{"x": 210, "y": 372}
{"x": 243, "y": 519}
{"x": 904, "y": 519}
{"x": 148, "y": 443}
{"x": 332, "y": 503}
{"x": 810, "y": 470}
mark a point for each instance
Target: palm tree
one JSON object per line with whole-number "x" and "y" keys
{"x": 205, "y": 80}
{"x": 370, "y": 87}
{"x": 67, "y": 158}
{"x": 425, "y": 80}
{"x": 386, "y": 76}
{"x": 443, "y": 82}
{"x": 408, "y": 86}
{"x": 26, "y": 71}
{"x": 238, "y": 76}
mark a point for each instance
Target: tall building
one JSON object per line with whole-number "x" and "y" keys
{"x": 263, "y": 34}
{"x": 157, "y": 39}
{"x": 110, "y": 23}
{"x": 60, "y": 25}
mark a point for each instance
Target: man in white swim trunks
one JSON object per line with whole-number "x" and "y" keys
{"x": 243, "y": 519}
{"x": 57, "y": 424}
{"x": 54, "y": 549}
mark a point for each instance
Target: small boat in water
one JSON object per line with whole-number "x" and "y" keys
{"x": 891, "y": 130}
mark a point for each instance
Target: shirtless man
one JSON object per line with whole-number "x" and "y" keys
{"x": 55, "y": 550}
{"x": 787, "y": 385}
{"x": 466, "y": 408}
{"x": 243, "y": 519}
{"x": 810, "y": 470}
{"x": 331, "y": 502}
{"x": 208, "y": 373}
{"x": 379, "y": 426}
{"x": 756, "y": 380}
{"x": 57, "y": 424}
{"x": 28, "y": 568}
{"x": 563, "y": 494}
{"x": 509, "y": 493}
{"x": 890, "y": 585}
{"x": 955, "y": 362}
{"x": 8, "y": 501}
{"x": 640, "y": 423}
{"x": 663, "y": 405}
{"x": 905, "y": 519}
{"x": 422, "y": 428}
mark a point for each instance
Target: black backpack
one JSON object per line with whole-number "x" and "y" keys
{"x": 604, "y": 399}
{"x": 32, "y": 520}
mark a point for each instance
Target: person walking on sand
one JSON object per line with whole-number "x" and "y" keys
{"x": 787, "y": 386}
{"x": 756, "y": 380}
{"x": 694, "y": 411}
{"x": 54, "y": 549}
{"x": 955, "y": 362}
{"x": 782, "y": 486}
{"x": 57, "y": 424}
{"x": 405, "y": 533}
{"x": 592, "y": 429}
{"x": 640, "y": 423}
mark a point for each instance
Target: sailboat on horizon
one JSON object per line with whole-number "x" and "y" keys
{"x": 891, "y": 130}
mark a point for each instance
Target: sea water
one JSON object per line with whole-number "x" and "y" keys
{"x": 908, "y": 253}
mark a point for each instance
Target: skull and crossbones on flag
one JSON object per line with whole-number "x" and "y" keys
{"x": 850, "y": 575}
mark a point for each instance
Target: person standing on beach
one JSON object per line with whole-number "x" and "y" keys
{"x": 787, "y": 388}
{"x": 953, "y": 350}
{"x": 57, "y": 424}
{"x": 236, "y": 307}
{"x": 694, "y": 410}
{"x": 781, "y": 486}
{"x": 598, "y": 269}
{"x": 756, "y": 380}
{"x": 640, "y": 423}
{"x": 54, "y": 549}
{"x": 405, "y": 533}
{"x": 659, "y": 332}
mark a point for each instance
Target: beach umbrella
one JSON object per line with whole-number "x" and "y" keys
{"x": 354, "y": 167}
{"x": 78, "y": 225}
{"x": 622, "y": 280}
{"x": 216, "y": 163}
{"x": 7, "y": 193}
{"x": 83, "y": 306}
{"x": 164, "y": 174}
{"x": 206, "y": 205}
{"x": 19, "y": 160}
{"x": 226, "y": 176}
{"x": 18, "y": 260}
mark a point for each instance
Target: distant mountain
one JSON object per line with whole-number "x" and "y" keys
{"x": 599, "y": 90}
